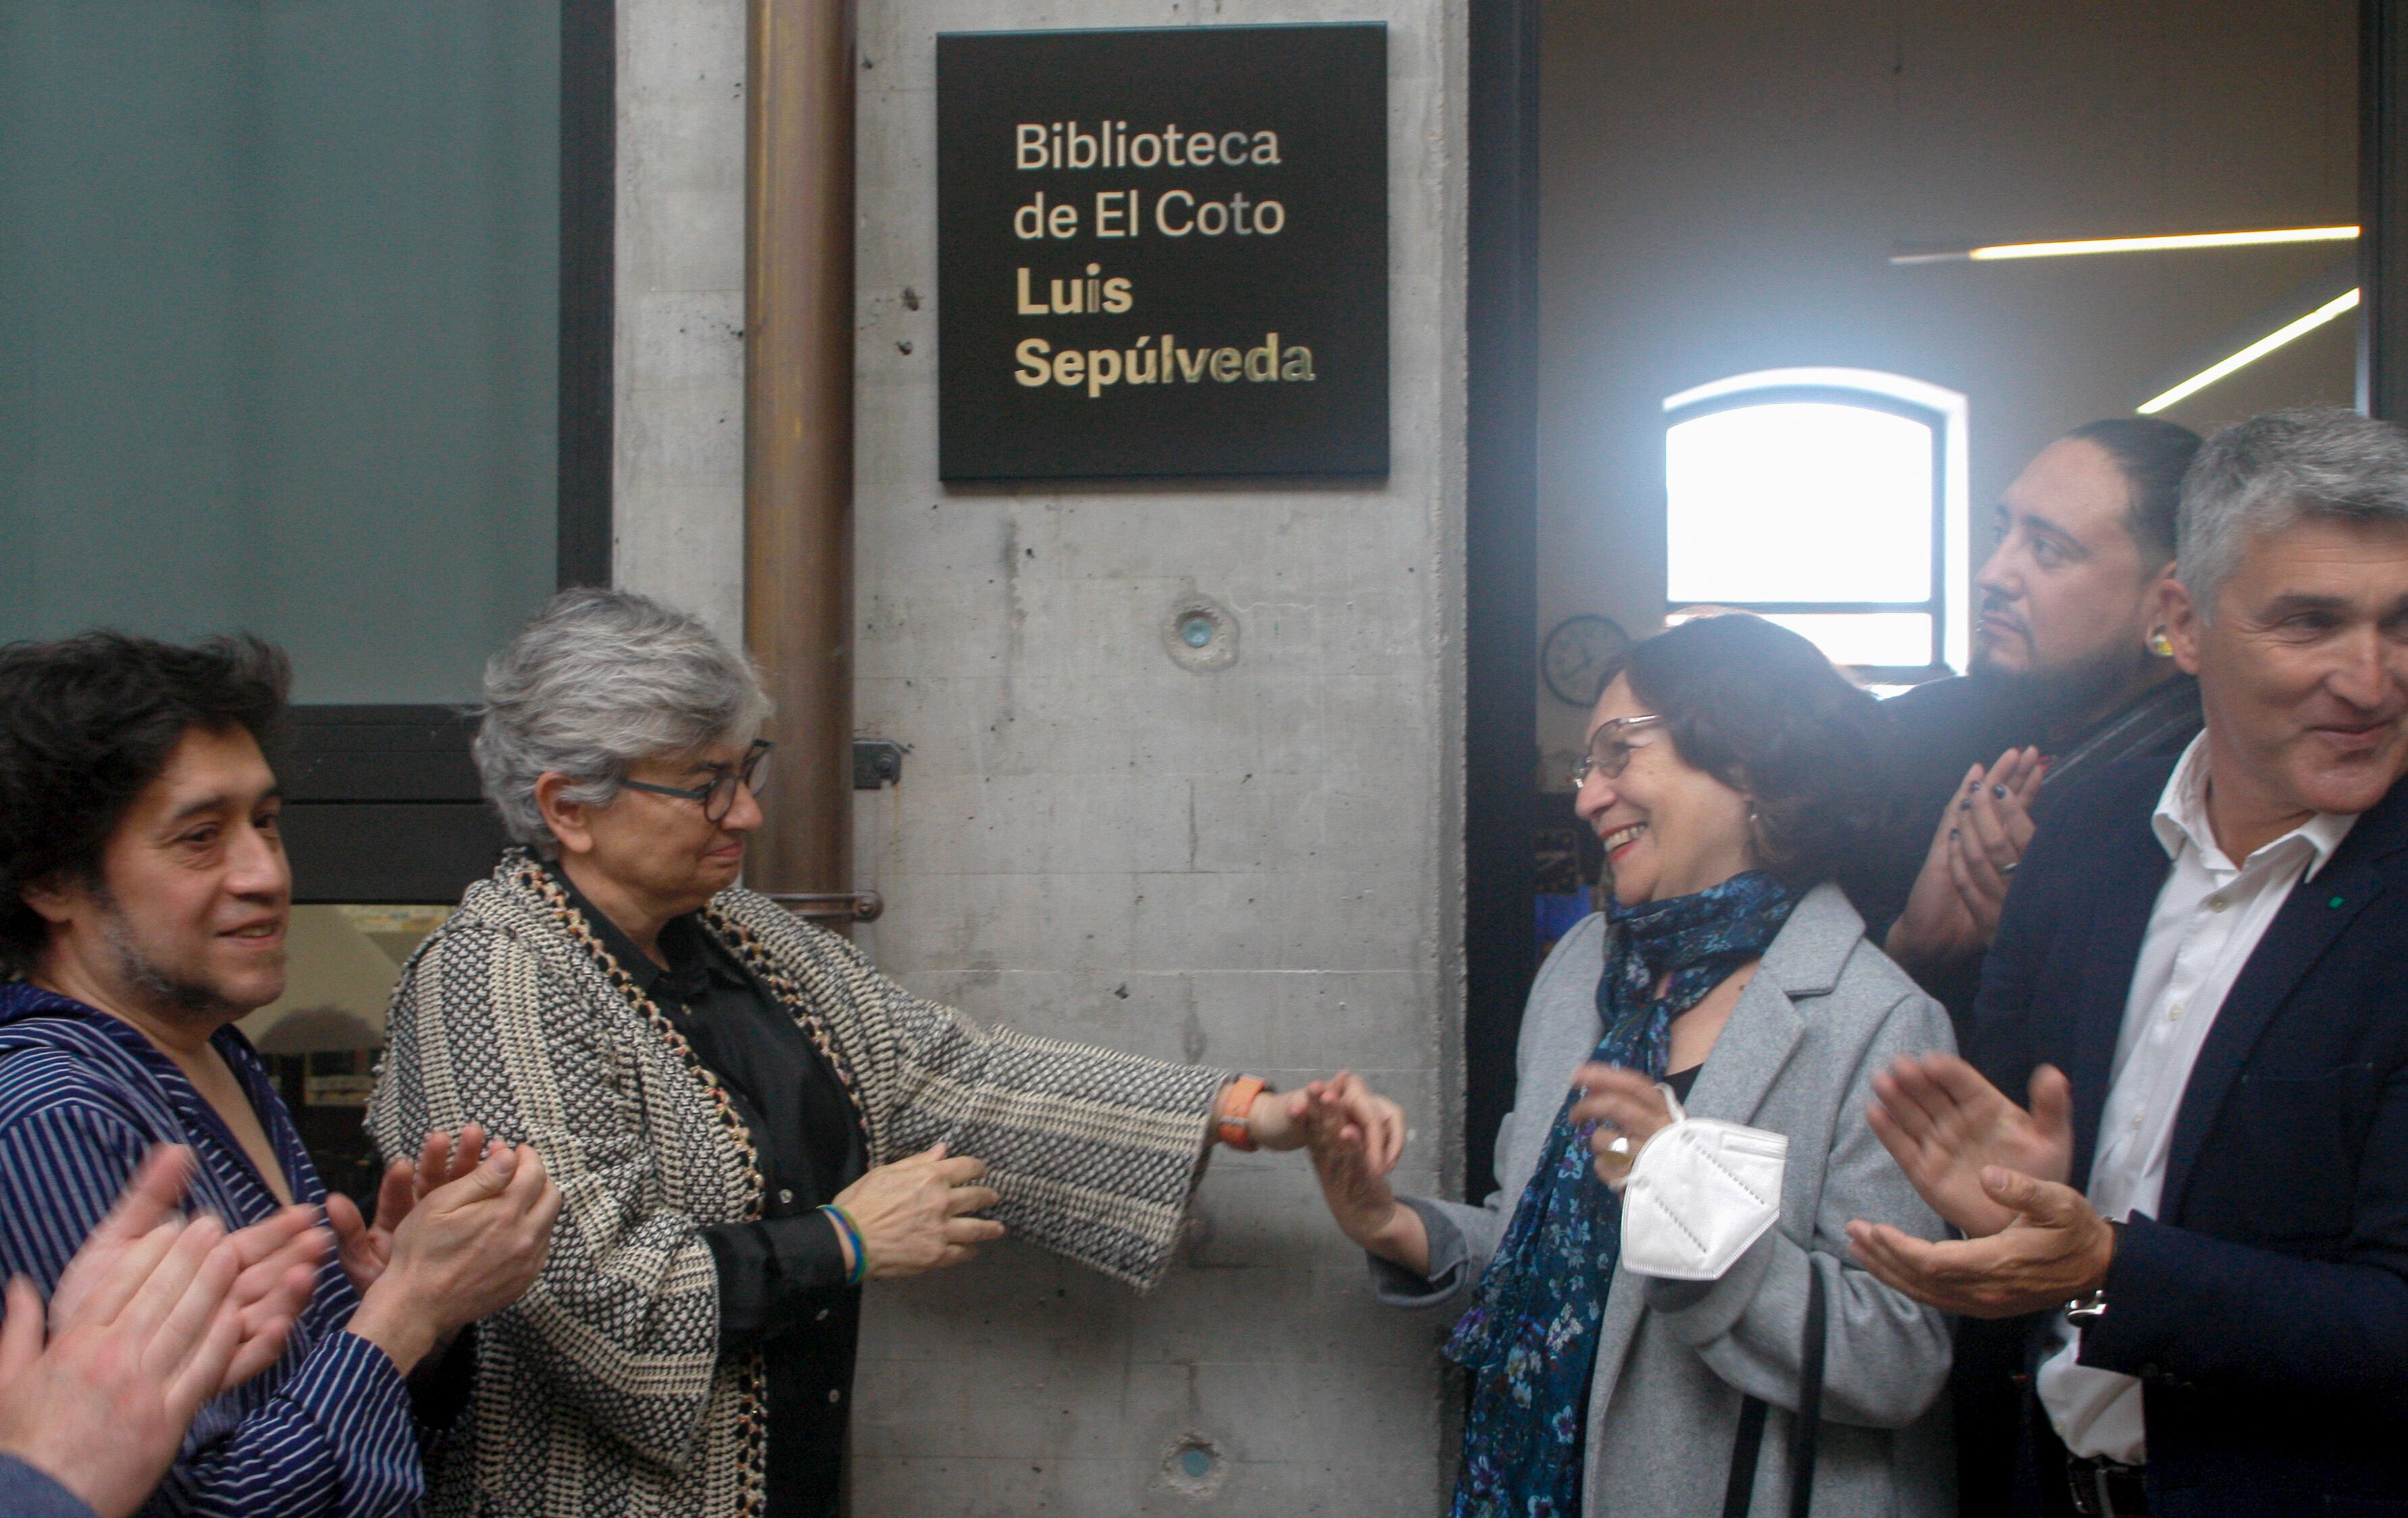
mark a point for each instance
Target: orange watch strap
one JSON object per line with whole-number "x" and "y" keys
{"x": 1232, "y": 1124}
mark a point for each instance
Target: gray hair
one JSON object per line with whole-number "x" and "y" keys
{"x": 2264, "y": 474}
{"x": 599, "y": 680}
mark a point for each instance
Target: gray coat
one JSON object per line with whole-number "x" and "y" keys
{"x": 1674, "y": 1358}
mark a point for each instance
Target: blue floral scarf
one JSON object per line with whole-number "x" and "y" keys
{"x": 1530, "y": 1338}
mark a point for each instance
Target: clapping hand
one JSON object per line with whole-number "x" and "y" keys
{"x": 1944, "y": 1125}
{"x": 276, "y": 1261}
{"x": 366, "y": 1248}
{"x": 1953, "y": 909}
{"x": 152, "y": 1318}
{"x": 468, "y": 1247}
{"x": 1999, "y": 1174}
{"x": 1992, "y": 828}
{"x": 2057, "y": 1248}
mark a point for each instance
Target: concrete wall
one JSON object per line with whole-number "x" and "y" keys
{"x": 678, "y": 480}
{"x": 1258, "y": 867}
{"x": 1724, "y": 180}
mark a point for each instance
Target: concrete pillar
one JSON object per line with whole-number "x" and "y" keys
{"x": 1257, "y": 866}
{"x": 678, "y": 479}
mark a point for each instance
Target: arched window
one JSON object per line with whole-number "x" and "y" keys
{"x": 1831, "y": 501}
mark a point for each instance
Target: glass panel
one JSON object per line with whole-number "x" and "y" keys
{"x": 322, "y": 1037}
{"x": 1798, "y": 501}
{"x": 1894, "y": 638}
{"x": 278, "y": 349}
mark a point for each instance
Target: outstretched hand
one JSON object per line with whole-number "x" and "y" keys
{"x": 1944, "y": 1123}
{"x": 2057, "y": 1248}
{"x": 1356, "y": 1137}
{"x": 1343, "y": 1111}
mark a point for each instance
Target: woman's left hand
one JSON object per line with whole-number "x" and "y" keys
{"x": 1622, "y": 1103}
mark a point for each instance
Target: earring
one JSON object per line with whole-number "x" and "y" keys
{"x": 2160, "y": 644}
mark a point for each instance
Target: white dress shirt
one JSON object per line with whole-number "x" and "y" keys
{"x": 2208, "y": 920}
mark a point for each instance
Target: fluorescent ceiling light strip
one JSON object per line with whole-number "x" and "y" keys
{"x": 2134, "y": 245}
{"x": 2143, "y": 245}
{"x": 2263, "y": 346}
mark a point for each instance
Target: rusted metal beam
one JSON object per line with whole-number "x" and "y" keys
{"x": 799, "y": 430}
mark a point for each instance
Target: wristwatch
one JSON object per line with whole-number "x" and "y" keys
{"x": 2085, "y": 1311}
{"x": 1230, "y": 1119}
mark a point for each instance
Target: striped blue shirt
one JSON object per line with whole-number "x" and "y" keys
{"x": 84, "y": 1097}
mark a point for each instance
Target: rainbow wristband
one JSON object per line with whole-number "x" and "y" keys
{"x": 852, "y": 1230}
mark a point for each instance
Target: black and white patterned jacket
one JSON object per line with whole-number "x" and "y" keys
{"x": 603, "y": 1393}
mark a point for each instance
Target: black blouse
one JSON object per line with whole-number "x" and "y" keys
{"x": 780, "y": 1279}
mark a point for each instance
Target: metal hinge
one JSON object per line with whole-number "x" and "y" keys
{"x": 832, "y": 905}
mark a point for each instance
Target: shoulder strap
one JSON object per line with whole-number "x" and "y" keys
{"x": 1805, "y": 1433}
{"x": 1741, "y": 1492}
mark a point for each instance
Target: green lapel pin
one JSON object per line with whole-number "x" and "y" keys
{"x": 2335, "y": 902}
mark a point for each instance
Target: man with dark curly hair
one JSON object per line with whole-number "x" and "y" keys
{"x": 143, "y": 903}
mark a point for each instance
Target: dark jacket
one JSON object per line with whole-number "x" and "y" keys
{"x": 1940, "y": 729}
{"x": 2266, "y": 1307}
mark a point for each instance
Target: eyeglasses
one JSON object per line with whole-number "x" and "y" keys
{"x": 718, "y": 798}
{"x": 1608, "y": 754}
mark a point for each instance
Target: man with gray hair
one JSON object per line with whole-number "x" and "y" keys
{"x": 2202, "y": 1217}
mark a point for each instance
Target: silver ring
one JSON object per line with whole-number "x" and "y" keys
{"x": 2009, "y": 867}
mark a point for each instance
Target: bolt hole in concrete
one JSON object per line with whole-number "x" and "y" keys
{"x": 1200, "y": 633}
{"x": 1193, "y": 1467}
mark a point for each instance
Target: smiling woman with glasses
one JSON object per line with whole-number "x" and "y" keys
{"x": 1609, "y": 749}
{"x": 746, "y": 1119}
{"x": 1732, "y": 774}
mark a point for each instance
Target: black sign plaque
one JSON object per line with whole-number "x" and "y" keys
{"x": 1162, "y": 252}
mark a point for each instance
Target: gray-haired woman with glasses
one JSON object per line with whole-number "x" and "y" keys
{"x": 744, "y": 1117}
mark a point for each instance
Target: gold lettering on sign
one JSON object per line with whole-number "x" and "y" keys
{"x": 1158, "y": 359}
{"x": 1034, "y": 369}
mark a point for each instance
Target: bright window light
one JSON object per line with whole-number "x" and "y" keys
{"x": 1893, "y": 638}
{"x": 1800, "y": 501}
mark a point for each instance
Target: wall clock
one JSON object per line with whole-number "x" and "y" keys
{"x": 1575, "y": 655}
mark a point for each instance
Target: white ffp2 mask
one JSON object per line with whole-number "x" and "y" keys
{"x": 1700, "y": 1193}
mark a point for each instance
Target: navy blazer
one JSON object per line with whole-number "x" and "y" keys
{"x": 2266, "y": 1307}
